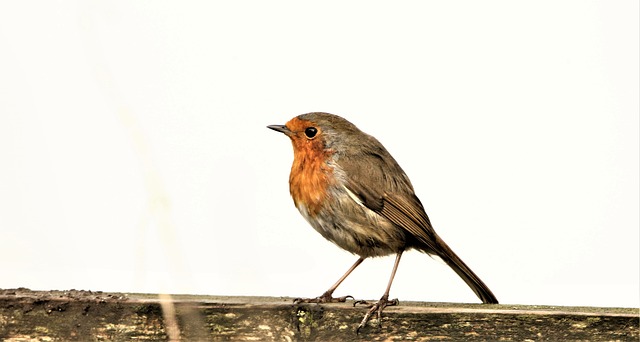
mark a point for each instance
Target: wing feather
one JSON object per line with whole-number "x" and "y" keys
{"x": 384, "y": 188}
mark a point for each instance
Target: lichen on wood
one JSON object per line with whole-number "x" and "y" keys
{"x": 96, "y": 316}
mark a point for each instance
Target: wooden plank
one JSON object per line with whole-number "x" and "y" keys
{"x": 96, "y": 316}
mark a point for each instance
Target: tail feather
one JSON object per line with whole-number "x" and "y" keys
{"x": 474, "y": 282}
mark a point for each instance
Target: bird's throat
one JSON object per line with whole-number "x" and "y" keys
{"x": 310, "y": 178}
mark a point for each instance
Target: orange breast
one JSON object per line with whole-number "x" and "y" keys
{"x": 310, "y": 176}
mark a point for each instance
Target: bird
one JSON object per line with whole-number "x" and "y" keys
{"x": 351, "y": 190}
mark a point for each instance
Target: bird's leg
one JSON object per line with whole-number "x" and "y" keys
{"x": 327, "y": 297}
{"x": 384, "y": 300}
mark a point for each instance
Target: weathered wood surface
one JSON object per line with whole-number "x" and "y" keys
{"x": 96, "y": 316}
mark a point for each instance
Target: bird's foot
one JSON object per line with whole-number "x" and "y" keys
{"x": 375, "y": 308}
{"x": 325, "y": 298}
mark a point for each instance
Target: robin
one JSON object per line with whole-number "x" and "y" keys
{"x": 352, "y": 191}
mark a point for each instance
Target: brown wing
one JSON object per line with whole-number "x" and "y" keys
{"x": 382, "y": 186}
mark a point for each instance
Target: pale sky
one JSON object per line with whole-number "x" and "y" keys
{"x": 135, "y": 155}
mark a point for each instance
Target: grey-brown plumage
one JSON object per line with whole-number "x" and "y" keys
{"x": 354, "y": 193}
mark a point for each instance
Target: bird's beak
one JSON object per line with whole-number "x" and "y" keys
{"x": 280, "y": 128}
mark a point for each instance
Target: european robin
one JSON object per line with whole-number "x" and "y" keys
{"x": 352, "y": 191}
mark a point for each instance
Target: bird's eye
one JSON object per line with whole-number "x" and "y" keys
{"x": 310, "y": 132}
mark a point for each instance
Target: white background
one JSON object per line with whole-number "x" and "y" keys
{"x": 134, "y": 154}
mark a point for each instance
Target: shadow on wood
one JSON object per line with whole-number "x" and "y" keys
{"x": 96, "y": 316}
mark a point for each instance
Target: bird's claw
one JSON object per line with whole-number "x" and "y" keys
{"x": 361, "y": 301}
{"x": 375, "y": 308}
{"x": 325, "y": 298}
